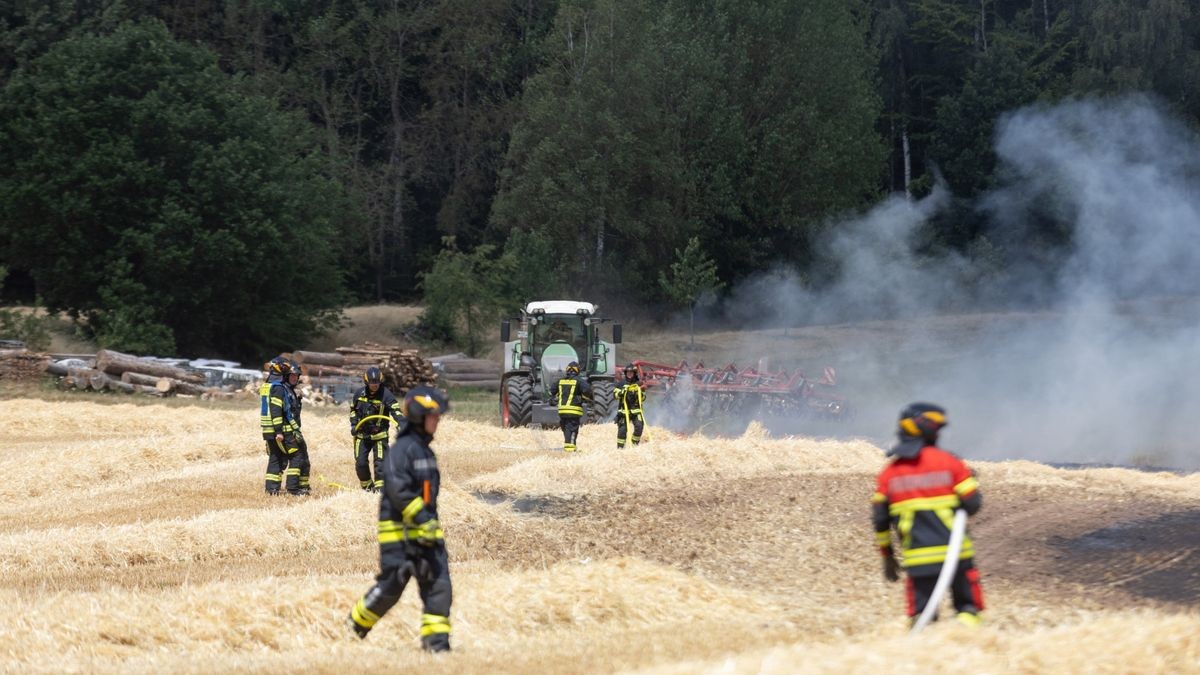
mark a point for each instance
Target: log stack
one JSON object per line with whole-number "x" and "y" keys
{"x": 22, "y": 364}
{"x": 457, "y": 370}
{"x": 315, "y": 397}
{"x": 116, "y": 363}
{"x": 402, "y": 369}
{"x": 129, "y": 374}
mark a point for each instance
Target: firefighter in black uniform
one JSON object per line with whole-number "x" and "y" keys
{"x": 376, "y": 402}
{"x": 411, "y": 542}
{"x": 572, "y": 390}
{"x": 917, "y": 494}
{"x": 630, "y": 399}
{"x": 278, "y": 426}
{"x": 302, "y": 464}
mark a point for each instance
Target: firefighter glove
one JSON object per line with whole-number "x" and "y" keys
{"x": 427, "y": 533}
{"x": 891, "y": 568}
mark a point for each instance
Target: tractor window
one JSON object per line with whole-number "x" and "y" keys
{"x": 560, "y": 328}
{"x": 567, "y": 329}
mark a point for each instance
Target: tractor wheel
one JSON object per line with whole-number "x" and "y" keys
{"x": 604, "y": 406}
{"x": 516, "y": 401}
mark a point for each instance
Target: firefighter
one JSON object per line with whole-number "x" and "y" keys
{"x": 917, "y": 493}
{"x": 376, "y": 402}
{"x": 572, "y": 390}
{"x": 411, "y": 542}
{"x": 303, "y": 467}
{"x": 278, "y": 426}
{"x": 630, "y": 399}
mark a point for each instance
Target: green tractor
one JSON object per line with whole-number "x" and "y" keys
{"x": 551, "y": 334}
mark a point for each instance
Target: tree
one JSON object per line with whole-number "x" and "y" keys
{"x": 28, "y": 327}
{"x": 693, "y": 274}
{"x": 743, "y": 122}
{"x": 464, "y": 292}
{"x": 146, "y": 194}
{"x": 963, "y": 145}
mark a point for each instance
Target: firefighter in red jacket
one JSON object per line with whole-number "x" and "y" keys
{"x": 917, "y": 494}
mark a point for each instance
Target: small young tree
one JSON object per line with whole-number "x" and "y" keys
{"x": 692, "y": 275}
{"x": 463, "y": 292}
{"x": 32, "y": 328}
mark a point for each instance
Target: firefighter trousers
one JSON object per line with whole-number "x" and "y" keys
{"x": 366, "y": 453}
{"x": 398, "y": 564}
{"x": 965, "y": 589}
{"x": 570, "y": 429}
{"x": 626, "y": 420}
{"x": 299, "y": 467}
{"x": 284, "y": 459}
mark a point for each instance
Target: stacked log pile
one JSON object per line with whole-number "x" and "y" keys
{"x": 22, "y": 364}
{"x": 402, "y": 369}
{"x": 339, "y": 373}
{"x": 327, "y": 376}
{"x": 114, "y": 371}
{"x": 315, "y": 397}
{"x": 457, "y": 370}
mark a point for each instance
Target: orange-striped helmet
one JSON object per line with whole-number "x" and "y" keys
{"x": 922, "y": 420}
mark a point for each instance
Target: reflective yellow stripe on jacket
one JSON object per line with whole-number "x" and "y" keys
{"x": 639, "y": 395}
{"x": 932, "y": 555}
{"x": 943, "y": 507}
{"x": 566, "y": 403}
{"x": 391, "y": 532}
{"x": 267, "y": 421}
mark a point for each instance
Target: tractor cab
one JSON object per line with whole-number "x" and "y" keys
{"x": 551, "y": 334}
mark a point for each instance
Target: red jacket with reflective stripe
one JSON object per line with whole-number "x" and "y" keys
{"x": 918, "y": 496}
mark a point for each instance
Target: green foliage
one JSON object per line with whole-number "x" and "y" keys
{"x": 145, "y": 193}
{"x": 740, "y": 122}
{"x": 693, "y": 274}
{"x": 531, "y": 267}
{"x": 464, "y": 295}
{"x": 963, "y": 149}
{"x": 150, "y": 183}
{"x": 32, "y": 328}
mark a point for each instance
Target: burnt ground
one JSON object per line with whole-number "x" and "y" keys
{"x": 794, "y": 537}
{"x": 1157, "y": 558}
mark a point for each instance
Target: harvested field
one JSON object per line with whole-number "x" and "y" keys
{"x": 136, "y": 538}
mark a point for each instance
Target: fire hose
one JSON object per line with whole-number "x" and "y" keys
{"x": 371, "y": 417}
{"x": 949, "y": 567}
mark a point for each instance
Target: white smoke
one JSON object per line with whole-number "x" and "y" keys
{"x": 1102, "y": 367}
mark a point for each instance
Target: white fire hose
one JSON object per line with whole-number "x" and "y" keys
{"x": 949, "y": 567}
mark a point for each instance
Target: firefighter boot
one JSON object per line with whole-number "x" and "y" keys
{"x": 435, "y": 633}
{"x": 969, "y": 616}
{"x": 435, "y": 643}
{"x": 353, "y": 625}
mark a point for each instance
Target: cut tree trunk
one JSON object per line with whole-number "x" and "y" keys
{"x": 470, "y": 366}
{"x": 320, "y": 358}
{"x": 141, "y": 378}
{"x": 490, "y": 385}
{"x": 116, "y": 363}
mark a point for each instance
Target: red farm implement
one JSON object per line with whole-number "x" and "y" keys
{"x": 728, "y": 398}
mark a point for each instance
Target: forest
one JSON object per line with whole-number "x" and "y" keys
{"x": 222, "y": 176}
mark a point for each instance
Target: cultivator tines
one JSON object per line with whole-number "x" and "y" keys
{"x": 703, "y": 392}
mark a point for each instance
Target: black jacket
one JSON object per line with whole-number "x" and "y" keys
{"x": 297, "y": 404}
{"x": 411, "y": 482}
{"x": 365, "y": 404}
{"x": 569, "y": 396}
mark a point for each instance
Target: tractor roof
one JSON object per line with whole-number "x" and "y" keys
{"x": 560, "y": 307}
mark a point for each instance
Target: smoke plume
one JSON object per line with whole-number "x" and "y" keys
{"x": 1069, "y": 334}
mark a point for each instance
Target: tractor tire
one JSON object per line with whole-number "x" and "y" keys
{"x": 604, "y": 406}
{"x": 516, "y": 401}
